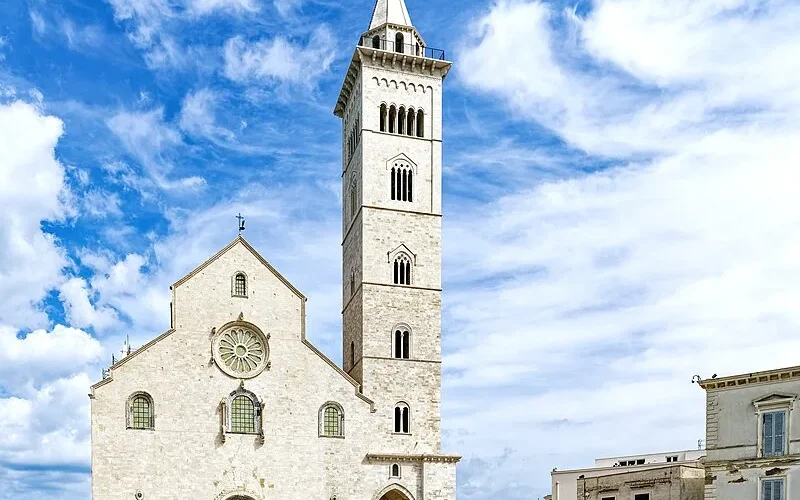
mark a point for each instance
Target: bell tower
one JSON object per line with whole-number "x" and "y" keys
{"x": 391, "y": 110}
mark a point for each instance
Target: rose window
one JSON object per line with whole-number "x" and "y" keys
{"x": 241, "y": 351}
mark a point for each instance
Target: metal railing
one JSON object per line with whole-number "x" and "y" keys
{"x": 401, "y": 48}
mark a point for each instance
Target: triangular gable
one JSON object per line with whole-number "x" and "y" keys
{"x": 775, "y": 397}
{"x": 402, "y": 157}
{"x": 391, "y": 12}
{"x": 238, "y": 240}
{"x": 402, "y": 249}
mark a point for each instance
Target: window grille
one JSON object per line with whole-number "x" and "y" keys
{"x": 331, "y": 421}
{"x": 141, "y": 413}
{"x": 240, "y": 285}
{"x": 243, "y": 415}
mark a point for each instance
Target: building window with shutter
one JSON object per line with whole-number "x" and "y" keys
{"x": 773, "y": 428}
{"x": 773, "y": 489}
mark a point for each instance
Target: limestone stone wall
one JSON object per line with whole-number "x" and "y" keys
{"x": 185, "y": 455}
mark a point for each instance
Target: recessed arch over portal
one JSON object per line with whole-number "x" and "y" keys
{"x": 394, "y": 492}
{"x": 240, "y": 497}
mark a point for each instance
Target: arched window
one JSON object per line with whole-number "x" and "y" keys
{"x": 420, "y": 124}
{"x": 402, "y": 182}
{"x": 331, "y": 420}
{"x": 401, "y": 418}
{"x": 401, "y": 341}
{"x": 376, "y": 42}
{"x": 140, "y": 411}
{"x": 401, "y": 120}
{"x": 402, "y": 270}
{"x": 410, "y": 122}
{"x": 353, "y": 198}
{"x": 392, "y": 119}
{"x": 383, "y": 118}
{"x": 240, "y": 285}
{"x": 395, "y": 470}
{"x": 243, "y": 415}
{"x": 399, "y": 44}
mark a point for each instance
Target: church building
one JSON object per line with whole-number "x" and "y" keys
{"x": 234, "y": 403}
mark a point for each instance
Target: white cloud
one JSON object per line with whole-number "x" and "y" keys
{"x": 80, "y": 311}
{"x": 198, "y": 116}
{"x": 622, "y": 284}
{"x": 287, "y": 7}
{"x": 27, "y": 158}
{"x": 44, "y": 355}
{"x": 149, "y": 139}
{"x": 279, "y": 60}
{"x": 203, "y": 7}
{"x": 38, "y": 23}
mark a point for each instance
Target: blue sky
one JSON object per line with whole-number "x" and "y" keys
{"x": 620, "y": 197}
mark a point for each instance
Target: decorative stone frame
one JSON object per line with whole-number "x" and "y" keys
{"x": 393, "y": 340}
{"x": 226, "y": 405}
{"x": 227, "y": 328}
{"x": 129, "y": 412}
{"x": 401, "y": 404}
{"x": 774, "y": 403}
{"x": 340, "y": 412}
{"x": 246, "y": 285}
{"x": 392, "y": 256}
{"x": 394, "y": 486}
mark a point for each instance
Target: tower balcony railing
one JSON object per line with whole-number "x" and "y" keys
{"x": 401, "y": 48}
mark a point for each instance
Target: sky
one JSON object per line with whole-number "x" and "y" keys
{"x": 620, "y": 197}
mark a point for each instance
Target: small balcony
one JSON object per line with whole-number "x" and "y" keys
{"x": 377, "y": 42}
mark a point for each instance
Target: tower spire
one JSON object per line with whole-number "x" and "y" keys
{"x": 390, "y": 12}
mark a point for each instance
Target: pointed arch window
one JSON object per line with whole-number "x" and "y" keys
{"x": 420, "y": 123}
{"x": 402, "y": 182}
{"x": 402, "y": 418}
{"x": 383, "y": 118}
{"x": 392, "y": 119}
{"x": 239, "y": 285}
{"x": 242, "y": 413}
{"x": 402, "y": 270}
{"x": 401, "y": 342}
{"x": 331, "y": 420}
{"x": 399, "y": 43}
{"x": 353, "y": 197}
{"x": 141, "y": 413}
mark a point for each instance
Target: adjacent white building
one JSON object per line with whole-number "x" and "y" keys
{"x": 566, "y": 484}
{"x": 753, "y": 436}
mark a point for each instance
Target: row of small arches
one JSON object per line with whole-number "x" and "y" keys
{"x": 242, "y": 414}
{"x": 414, "y": 87}
{"x": 402, "y": 120}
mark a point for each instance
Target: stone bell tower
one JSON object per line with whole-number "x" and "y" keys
{"x": 391, "y": 110}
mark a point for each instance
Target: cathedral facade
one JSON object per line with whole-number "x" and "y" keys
{"x": 234, "y": 403}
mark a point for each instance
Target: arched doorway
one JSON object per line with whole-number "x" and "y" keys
{"x": 239, "y": 497}
{"x": 394, "y": 492}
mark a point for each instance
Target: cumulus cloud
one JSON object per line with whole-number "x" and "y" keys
{"x": 279, "y": 60}
{"x": 27, "y": 158}
{"x": 80, "y": 311}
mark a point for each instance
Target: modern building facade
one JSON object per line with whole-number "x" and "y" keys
{"x": 234, "y": 403}
{"x": 753, "y": 436}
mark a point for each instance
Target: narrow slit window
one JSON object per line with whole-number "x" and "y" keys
{"x": 398, "y": 344}
{"x": 395, "y": 470}
{"x": 382, "y": 124}
{"x": 410, "y": 186}
{"x": 392, "y": 119}
{"x": 420, "y": 124}
{"x": 401, "y": 121}
{"x": 406, "y": 342}
{"x": 410, "y": 123}
{"x": 393, "y": 184}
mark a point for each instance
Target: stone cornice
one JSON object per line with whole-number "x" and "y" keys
{"x": 756, "y": 378}
{"x": 408, "y": 63}
{"x": 754, "y": 463}
{"x": 395, "y": 457}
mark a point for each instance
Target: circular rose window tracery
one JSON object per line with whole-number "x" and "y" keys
{"x": 241, "y": 351}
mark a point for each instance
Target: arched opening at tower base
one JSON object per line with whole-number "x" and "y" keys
{"x": 394, "y": 495}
